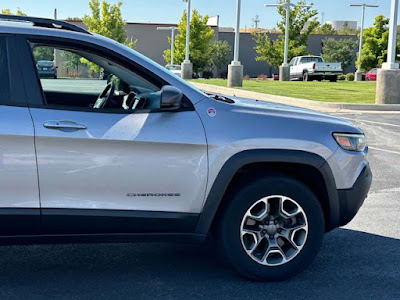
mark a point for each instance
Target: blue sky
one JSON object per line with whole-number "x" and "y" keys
{"x": 169, "y": 11}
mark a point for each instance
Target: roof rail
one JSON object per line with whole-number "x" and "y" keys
{"x": 43, "y": 22}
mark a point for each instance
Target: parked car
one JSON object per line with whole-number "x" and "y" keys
{"x": 371, "y": 75}
{"x": 176, "y": 69}
{"x": 46, "y": 69}
{"x": 308, "y": 68}
{"x": 162, "y": 160}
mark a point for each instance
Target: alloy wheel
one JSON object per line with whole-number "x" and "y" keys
{"x": 274, "y": 230}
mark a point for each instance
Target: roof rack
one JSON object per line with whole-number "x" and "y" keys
{"x": 43, "y": 22}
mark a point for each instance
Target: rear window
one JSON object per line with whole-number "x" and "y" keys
{"x": 305, "y": 60}
{"x": 45, "y": 63}
{"x": 4, "y": 73}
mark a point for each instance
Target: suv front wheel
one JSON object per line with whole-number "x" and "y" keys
{"x": 272, "y": 228}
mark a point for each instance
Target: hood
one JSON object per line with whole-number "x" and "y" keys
{"x": 252, "y": 106}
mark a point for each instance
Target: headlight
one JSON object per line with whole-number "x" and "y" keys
{"x": 351, "y": 142}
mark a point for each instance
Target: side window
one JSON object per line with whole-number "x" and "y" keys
{"x": 81, "y": 80}
{"x": 5, "y": 74}
{"x": 292, "y": 62}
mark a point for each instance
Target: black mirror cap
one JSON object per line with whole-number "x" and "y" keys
{"x": 171, "y": 98}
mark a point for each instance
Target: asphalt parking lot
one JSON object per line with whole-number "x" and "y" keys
{"x": 360, "y": 261}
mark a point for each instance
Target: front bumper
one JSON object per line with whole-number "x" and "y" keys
{"x": 350, "y": 200}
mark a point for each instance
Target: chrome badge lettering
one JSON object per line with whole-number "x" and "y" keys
{"x": 154, "y": 195}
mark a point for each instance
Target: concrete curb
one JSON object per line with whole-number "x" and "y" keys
{"x": 295, "y": 101}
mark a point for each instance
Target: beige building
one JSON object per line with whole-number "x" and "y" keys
{"x": 152, "y": 43}
{"x": 340, "y": 24}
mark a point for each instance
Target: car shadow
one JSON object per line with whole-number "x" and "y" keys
{"x": 351, "y": 265}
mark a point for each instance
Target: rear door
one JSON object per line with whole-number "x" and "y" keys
{"x": 112, "y": 170}
{"x": 19, "y": 194}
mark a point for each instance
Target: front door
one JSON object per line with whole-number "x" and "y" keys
{"x": 123, "y": 166}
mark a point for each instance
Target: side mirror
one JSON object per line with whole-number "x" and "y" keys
{"x": 171, "y": 98}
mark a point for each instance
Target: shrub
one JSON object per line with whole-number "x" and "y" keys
{"x": 74, "y": 74}
{"x": 246, "y": 77}
{"x": 223, "y": 75}
{"x": 262, "y": 77}
{"x": 342, "y": 77}
{"x": 207, "y": 74}
{"x": 350, "y": 77}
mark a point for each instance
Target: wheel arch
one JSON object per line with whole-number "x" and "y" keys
{"x": 310, "y": 168}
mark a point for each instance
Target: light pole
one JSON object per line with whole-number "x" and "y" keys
{"x": 172, "y": 28}
{"x": 391, "y": 57}
{"x": 284, "y": 70}
{"x": 187, "y": 66}
{"x": 358, "y": 76}
{"x": 235, "y": 69}
{"x": 388, "y": 78}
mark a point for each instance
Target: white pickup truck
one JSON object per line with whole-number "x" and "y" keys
{"x": 308, "y": 68}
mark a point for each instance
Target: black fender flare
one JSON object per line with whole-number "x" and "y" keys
{"x": 237, "y": 161}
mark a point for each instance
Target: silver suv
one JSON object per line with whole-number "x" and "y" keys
{"x": 119, "y": 149}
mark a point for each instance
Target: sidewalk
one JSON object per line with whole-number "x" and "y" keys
{"x": 322, "y": 106}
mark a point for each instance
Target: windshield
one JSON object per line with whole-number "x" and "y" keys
{"x": 173, "y": 67}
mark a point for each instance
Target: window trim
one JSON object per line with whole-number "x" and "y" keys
{"x": 37, "y": 98}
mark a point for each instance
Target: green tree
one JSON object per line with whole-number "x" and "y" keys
{"x": 374, "y": 50}
{"x": 72, "y": 60}
{"x": 346, "y": 30}
{"x": 43, "y": 53}
{"x": 272, "y": 51}
{"x": 342, "y": 50}
{"x": 200, "y": 42}
{"x": 325, "y": 29}
{"x": 7, "y": 11}
{"x": 106, "y": 20}
{"x": 219, "y": 54}
{"x": 398, "y": 34}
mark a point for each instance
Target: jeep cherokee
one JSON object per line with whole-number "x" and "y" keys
{"x": 143, "y": 154}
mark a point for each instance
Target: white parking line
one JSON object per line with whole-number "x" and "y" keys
{"x": 372, "y": 122}
{"x": 384, "y": 150}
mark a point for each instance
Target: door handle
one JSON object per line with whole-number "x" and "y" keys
{"x": 64, "y": 125}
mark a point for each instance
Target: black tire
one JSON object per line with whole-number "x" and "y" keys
{"x": 306, "y": 77}
{"x": 228, "y": 232}
{"x": 333, "y": 79}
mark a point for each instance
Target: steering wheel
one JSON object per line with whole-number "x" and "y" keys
{"x": 105, "y": 96}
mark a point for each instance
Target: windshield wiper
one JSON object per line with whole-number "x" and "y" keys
{"x": 221, "y": 98}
